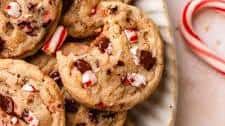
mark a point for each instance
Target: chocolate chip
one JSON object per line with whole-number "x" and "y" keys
{"x": 1, "y": 43}
{"x": 82, "y": 65}
{"x": 93, "y": 115}
{"x": 46, "y": 24}
{"x": 102, "y": 43}
{"x": 146, "y": 60}
{"x": 66, "y": 5}
{"x": 81, "y": 124}
{"x": 70, "y": 105}
{"x": 9, "y": 28}
{"x": 108, "y": 115}
{"x": 120, "y": 63}
{"x": 32, "y": 6}
{"x": 108, "y": 72}
{"x": 28, "y": 27}
{"x": 7, "y": 104}
{"x": 113, "y": 9}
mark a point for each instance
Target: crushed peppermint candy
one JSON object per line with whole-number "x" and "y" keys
{"x": 133, "y": 51}
{"x": 134, "y": 79}
{"x": 28, "y": 87}
{"x": 14, "y": 120}
{"x": 88, "y": 79}
{"x": 30, "y": 118}
{"x": 56, "y": 41}
{"x": 131, "y": 35}
{"x": 13, "y": 9}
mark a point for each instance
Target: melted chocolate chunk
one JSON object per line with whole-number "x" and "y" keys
{"x": 146, "y": 60}
{"x": 103, "y": 44}
{"x": 120, "y": 63}
{"x": 56, "y": 77}
{"x": 7, "y": 104}
{"x": 82, "y": 65}
{"x": 70, "y": 105}
{"x": 81, "y": 124}
{"x": 93, "y": 115}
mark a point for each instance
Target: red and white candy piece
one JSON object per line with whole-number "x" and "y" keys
{"x": 88, "y": 79}
{"x": 192, "y": 39}
{"x": 56, "y": 41}
{"x": 31, "y": 119}
{"x": 131, "y": 35}
{"x": 135, "y": 80}
{"x": 13, "y": 9}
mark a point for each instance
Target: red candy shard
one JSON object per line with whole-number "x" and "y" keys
{"x": 131, "y": 35}
{"x": 56, "y": 41}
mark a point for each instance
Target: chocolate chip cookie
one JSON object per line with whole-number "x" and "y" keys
{"x": 91, "y": 117}
{"x": 25, "y": 24}
{"x": 76, "y": 114}
{"x": 27, "y": 97}
{"x": 81, "y": 17}
{"x": 123, "y": 65}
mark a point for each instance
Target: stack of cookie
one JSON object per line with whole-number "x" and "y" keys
{"x": 75, "y": 62}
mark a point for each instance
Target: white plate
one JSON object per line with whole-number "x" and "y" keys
{"x": 160, "y": 109}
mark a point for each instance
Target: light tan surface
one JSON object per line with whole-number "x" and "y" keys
{"x": 202, "y": 90}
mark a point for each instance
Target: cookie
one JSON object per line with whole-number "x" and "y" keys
{"x": 123, "y": 66}
{"x": 91, "y": 117}
{"x": 24, "y": 25}
{"x": 76, "y": 114}
{"x": 27, "y": 97}
{"x": 81, "y": 17}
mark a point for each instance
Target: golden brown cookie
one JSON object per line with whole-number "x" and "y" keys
{"x": 123, "y": 65}
{"x": 28, "y": 97}
{"x": 24, "y": 25}
{"x": 81, "y": 17}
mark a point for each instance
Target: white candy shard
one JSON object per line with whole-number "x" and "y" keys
{"x": 28, "y": 87}
{"x": 89, "y": 77}
{"x": 14, "y": 120}
{"x": 13, "y": 9}
{"x": 138, "y": 79}
{"x": 109, "y": 49}
{"x": 133, "y": 51}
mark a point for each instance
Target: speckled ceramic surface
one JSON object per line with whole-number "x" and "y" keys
{"x": 160, "y": 109}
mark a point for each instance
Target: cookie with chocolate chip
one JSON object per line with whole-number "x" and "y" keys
{"x": 76, "y": 114}
{"x": 28, "y": 97}
{"x": 25, "y": 25}
{"x": 82, "y": 18}
{"x": 123, "y": 65}
{"x": 92, "y": 117}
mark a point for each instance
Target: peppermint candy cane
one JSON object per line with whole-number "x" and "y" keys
{"x": 192, "y": 39}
